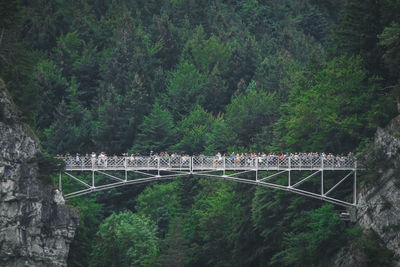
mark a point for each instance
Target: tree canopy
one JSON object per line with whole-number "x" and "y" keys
{"x": 201, "y": 77}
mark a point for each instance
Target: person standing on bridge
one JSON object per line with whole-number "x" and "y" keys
{"x": 93, "y": 158}
{"x": 77, "y": 159}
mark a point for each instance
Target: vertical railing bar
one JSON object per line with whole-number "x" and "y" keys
{"x": 355, "y": 183}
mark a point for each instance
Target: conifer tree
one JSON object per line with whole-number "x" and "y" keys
{"x": 157, "y": 131}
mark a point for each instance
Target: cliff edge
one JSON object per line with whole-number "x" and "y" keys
{"x": 36, "y": 227}
{"x": 379, "y": 202}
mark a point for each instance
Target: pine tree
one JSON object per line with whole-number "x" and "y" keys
{"x": 157, "y": 131}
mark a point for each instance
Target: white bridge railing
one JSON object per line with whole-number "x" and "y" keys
{"x": 209, "y": 163}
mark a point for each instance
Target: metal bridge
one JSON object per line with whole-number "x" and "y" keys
{"x": 260, "y": 171}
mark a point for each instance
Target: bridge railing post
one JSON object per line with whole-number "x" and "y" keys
{"x": 355, "y": 184}
{"x": 125, "y": 163}
{"x": 290, "y": 165}
{"x": 322, "y": 176}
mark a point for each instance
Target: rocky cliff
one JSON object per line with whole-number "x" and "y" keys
{"x": 379, "y": 202}
{"x": 378, "y": 211}
{"x": 36, "y": 227}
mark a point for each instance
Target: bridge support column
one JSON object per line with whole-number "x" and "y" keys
{"x": 126, "y": 175}
{"x": 322, "y": 177}
{"x": 355, "y": 187}
{"x": 93, "y": 178}
{"x": 322, "y": 182}
{"x": 289, "y": 178}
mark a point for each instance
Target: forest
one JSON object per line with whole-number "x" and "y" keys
{"x": 201, "y": 77}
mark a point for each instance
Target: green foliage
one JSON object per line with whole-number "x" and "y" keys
{"x": 156, "y": 131}
{"x": 69, "y": 131}
{"x": 352, "y": 37}
{"x": 314, "y": 233}
{"x": 90, "y": 218}
{"x": 368, "y": 241}
{"x": 390, "y": 39}
{"x": 221, "y": 138}
{"x": 335, "y": 112}
{"x": 125, "y": 239}
{"x": 48, "y": 167}
{"x": 49, "y": 79}
{"x": 184, "y": 89}
{"x": 195, "y": 129}
{"x": 275, "y": 73}
{"x": 206, "y": 54}
{"x": 160, "y": 203}
{"x": 115, "y": 127}
{"x": 200, "y": 77}
{"x": 211, "y": 225}
{"x": 174, "y": 247}
{"x": 251, "y": 114}
{"x": 272, "y": 214}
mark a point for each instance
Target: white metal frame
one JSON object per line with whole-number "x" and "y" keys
{"x": 214, "y": 167}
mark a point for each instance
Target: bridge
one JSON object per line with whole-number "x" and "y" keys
{"x": 259, "y": 171}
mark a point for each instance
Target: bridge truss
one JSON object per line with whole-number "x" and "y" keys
{"x": 260, "y": 171}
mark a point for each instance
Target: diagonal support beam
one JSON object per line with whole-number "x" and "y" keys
{"x": 281, "y": 187}
{"x": 111, "y": 176}
{"x": 305, "y": 179}
{"x": 336, "y": 185}
{"x": 78, "y": 180}
{"x": 318, "y": 196}
{"x": 271, "y": 176}
{"x": 204, "y": 172}
{"x": 237, "y": 173}
{"x": 183, "y": 172}
{"x": 117, "y": 184}
{"x": 144, "y": 173}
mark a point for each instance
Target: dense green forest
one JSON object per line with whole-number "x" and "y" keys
{"x": 198, "y": 76}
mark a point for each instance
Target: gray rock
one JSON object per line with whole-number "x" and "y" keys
{"x": 36, "y": 227}
{"x": 379, "y": 203}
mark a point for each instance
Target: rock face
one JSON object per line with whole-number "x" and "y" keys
{"x": 380, "y": 203}
{"x": 36, "y": 227}
{"x": 349, "y": 256}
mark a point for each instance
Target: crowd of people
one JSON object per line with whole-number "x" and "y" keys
{"x": 242, "y": 159}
